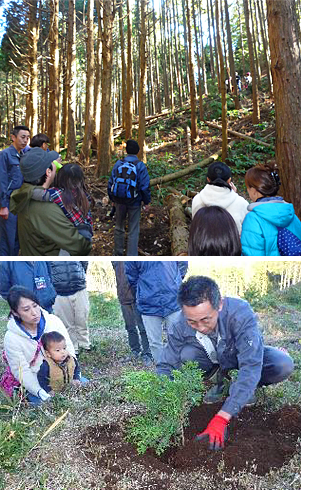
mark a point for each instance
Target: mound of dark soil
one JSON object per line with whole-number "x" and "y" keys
{"x": 259, "y": 441}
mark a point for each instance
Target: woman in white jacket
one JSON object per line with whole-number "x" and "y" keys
{"x": 220, "y": 191}
{"x": 27, "y": 323}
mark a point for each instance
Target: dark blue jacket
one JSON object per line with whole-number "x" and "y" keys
{"x": 156, "y": 285}
{"x": 143, "y": 188}
{"x": 35, "y": 276}
{"x": 239, "y": 345}
{"x": 11, "y": 177}
{"x": 68, "y": 277}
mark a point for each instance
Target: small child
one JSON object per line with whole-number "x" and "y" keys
{"x": 72, "y": 197}
{"x": 59, "y": 368}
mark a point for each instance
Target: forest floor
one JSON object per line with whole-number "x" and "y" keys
{"x": 170, "y": 131}
{"x": 88, "y": 448}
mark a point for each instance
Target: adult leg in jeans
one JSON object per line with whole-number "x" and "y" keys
{"x": 277, "y": 366}
{"x": 133, "y": 230}
{"x": 153, "y": 327}
{"x": 119, "y": 231}
{"x": 144, "y": 340}
{"x": 130, "y": 324}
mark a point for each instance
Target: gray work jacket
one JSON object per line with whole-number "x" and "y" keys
{"x": 239, "y": 346}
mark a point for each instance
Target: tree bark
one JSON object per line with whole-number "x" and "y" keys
{"x": 223, "y": 90}
{"x": 194, "y": 129}
{"x": 142, "y": 84}
{"x": 71, "y": 80}
{"x": 128, "y": 115}
{"x": 89, "y": 107}
{"x": 286, "y": 73}
{"x": 104, "y": 155}
{"x": 33, "y": 31}
{"x": 231, "y": 58}
{"x": 179, "y": 233}
{"x": 53, "y": 108}
{"x": 255, "y": 101}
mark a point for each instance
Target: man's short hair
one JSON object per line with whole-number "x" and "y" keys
{"x": 38, "y": 140}
{"x": 16, "y": 129}
{"x": 197, "y": 290}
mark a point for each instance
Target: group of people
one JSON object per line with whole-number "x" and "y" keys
{"x": 36, "y": 217}
{"x": 58, "y": 221}
{"x": 220, "y": 334}
{"x": 224, "y": 223}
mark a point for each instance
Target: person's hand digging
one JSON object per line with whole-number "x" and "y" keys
{"x": 216, "y": 431}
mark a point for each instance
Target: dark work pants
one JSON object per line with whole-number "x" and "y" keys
{"x": 133, "y": 320}
{"x": 9, "y": 244}
{"x": 277, "y": 365}
{"x": 133, "y": 213}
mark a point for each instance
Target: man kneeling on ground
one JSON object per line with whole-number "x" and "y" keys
{"x": 221, "y": 334}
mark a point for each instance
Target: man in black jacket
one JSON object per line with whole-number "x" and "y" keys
{"x": 221, "y": 333}
{"x": 72, "y": 304}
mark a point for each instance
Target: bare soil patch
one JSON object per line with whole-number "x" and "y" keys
{"x": 259, "y": 441}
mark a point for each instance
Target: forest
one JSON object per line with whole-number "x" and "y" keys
{"x": 192, "y": 81}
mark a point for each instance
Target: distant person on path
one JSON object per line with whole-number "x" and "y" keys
{"x": 33, "y": 275}
{"x": 10, "y": 179}
{"x": 72, "y": 303}
{"x": 128, "y": 187}
{"x": 137, "y": 337}
{"x": 59, "y": 368}
{"x": 43, "y": 228}
{"x": 268, "y": 214}
{"x": 221, "y": 334}
{"x": 213, "y": 232}
{"x": 22, "y": 342}
{"x": 156, "y": 285}
{"x": 72, "y": 198}
{"x": 220, "y": 191}
{"x": 248, "y": 80}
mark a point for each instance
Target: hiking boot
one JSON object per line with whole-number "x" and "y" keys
{"x": 214, "y": 394}
{"x": 252, "y": 400}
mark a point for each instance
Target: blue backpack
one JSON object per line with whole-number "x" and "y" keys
{"x": 288, "y": 244}
{"x": 124, "y": 187}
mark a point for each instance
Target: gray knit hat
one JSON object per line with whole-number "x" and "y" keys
{"x": 34, "y": 162}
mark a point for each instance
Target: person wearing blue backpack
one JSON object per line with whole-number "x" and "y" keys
{"x": 271, "y": 227}
{"x": 128, "y": 187}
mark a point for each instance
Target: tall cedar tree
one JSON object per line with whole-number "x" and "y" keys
{"x": 53, "y": 110}
{"x": 142, "y": 82}
{"x": 33, "y": 31}
{"x": 89, "y": 107}
{"x": 194, "y": 128}
{"x": 255, "y": 101}
{"x": 286, "y": 73}
{"x": 222, "y": 87}
{"x": 71, "y": 79}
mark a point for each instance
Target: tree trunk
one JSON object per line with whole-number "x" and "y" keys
{"x": 255, "y": 101}
{"x": 201, "y": 107}
{"x": 286, "y": 73}
{"x": 71, "y": 80}
{"x": 158, "y": 104}
{"x": 53, "y": 109}
{"x": 266, "y": 49}
{"x": 223, "y": 90}
{"x": 123, "y": 63}
{"x": 89, "y": 107}
{"x": 97, "y": 81}
{"x": 194, "y": 129}
{"x": 33, "y": 31}
{"x": 179, "y": 233}
{"x": 128, "y": 116}
{"x": 231, "y": 58}
{"x": 142, "y": 84}
{"x": 104, "y": 155}
{"x": 241, "y": 40}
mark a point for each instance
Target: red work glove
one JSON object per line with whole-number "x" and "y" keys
{"x": 217, "y": 431}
